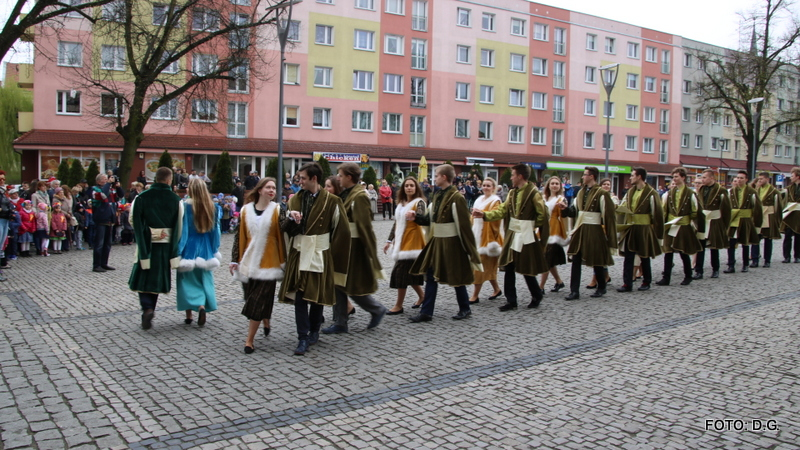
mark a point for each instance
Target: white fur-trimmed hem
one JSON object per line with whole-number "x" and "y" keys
{"x": 555, "y": 239}
{"x": 492, "y": 249}
{"x": 187, "y": 265}
{"x": 406, "y": 254}
{"x": 260, "y": 274}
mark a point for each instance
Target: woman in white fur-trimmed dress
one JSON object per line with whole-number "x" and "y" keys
{"x": 489, "y": 238}
{"x": 554, "y": 251}
{"x": 406, "y": 241}
{"x": 199, "y": 250}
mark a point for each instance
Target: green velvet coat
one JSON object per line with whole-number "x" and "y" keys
{"x": 773, "y": 221}
{"x": 157, "y": 207}
{"x": 453, "y": 259}
{"x": 524, "y": 204}
{"x": 686, "y": 240}
{"x": 642, "y": 239}
{"x": 594, "y": 242}
{"x": 718, "y": 199}
{"x": 747, "y": 231}
{"x": 793, "y": 219}
{"x": 364, "y": 269}
{"x": 327, "y": 215}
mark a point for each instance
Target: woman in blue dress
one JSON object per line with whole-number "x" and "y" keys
{"x": 199, "y": 250}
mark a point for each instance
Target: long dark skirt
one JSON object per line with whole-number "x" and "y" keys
{"x": 554, "y": 255}
{"x": 401, "y": 278}
{"x": 259, "y": 298}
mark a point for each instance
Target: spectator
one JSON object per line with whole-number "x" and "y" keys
{"x": 385, "y": 191}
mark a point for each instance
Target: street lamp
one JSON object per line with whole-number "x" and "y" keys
{"x": 756, "y": 105}
{"x": 608, "y": 74}
{"x": 283, "y": 36}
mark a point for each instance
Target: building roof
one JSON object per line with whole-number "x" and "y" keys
{"x": 732, "y": 164}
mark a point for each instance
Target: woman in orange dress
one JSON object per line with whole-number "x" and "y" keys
{"x": 489, "y": 238}
{"x": 554, "y": 251}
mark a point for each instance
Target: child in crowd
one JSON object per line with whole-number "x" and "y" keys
{"x": 127, "y": 229}
{"x": 27, "y": 227}
{"x": 42, "y": 230}
{"x": 227, "y": 214}
{"x": 13, "y": 230}
{"x": 80, "y": 218}
{"x": 58, "y": 228}
{"x": 234, "y": 221}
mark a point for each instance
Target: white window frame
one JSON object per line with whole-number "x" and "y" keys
{"x": 326, "y": 35}
{"x": 686, "y": 114}
{"x": 392, "y": 83}
{"x": 463, "y": 17}
{"x": 396, "y": 7}
{"x": 557, "y": 147}
{"x": 590, "y": 75}
{"x": 366, "y": 4}
{"x": 588, "y": 139}
{"x": 419, "y": 61}
{"x": 560, "y": 41}
{"x": 539, "y": 101}
{"x": 538, "y": 136}
{"x": 591, "y": 42}
{"x": 632, "y": 112}
{"x": 358, "y": 119}
{"x": 608, "y": 106}
{"x": 462, "y": 54}
{"x": 419, "y": 16}
{"x": 539, "y": 66}
{"x": 685, "y": 140}
{"x": 399, "y": 44}
{"x": 487, "y": 94}
{"x": 364, "y": 40}
{"x": 465, "y": 127}
{"x": 630, "y": 143}
{"x": 235, "y": 121}
{"x": 541, "y": 32}
{"x": 118, "y": 105}
{"x": 610, "y": 45}
{"x": 462, "y": 91}
{"x": 485, "y": 130}
{"x": 211, "y": 105}
{"x": 517, "y": 62}
{"x": 649, "y": 114}
{"x": 633, "y": 50}
{"x": 326, "y": 74}
{"x": 113, "y": 11}
{"x": 205, "y": 20}
{"x": 516, "y": 134}
{"x": 651, "y": 54}
{"x": 516, "y": 98}
{"x": 418, "y": 84}
{"x": 392, "y": 127}
{"x": 204, "y": 64}
{"x": 698, "y": 141}
{"x": 649, "y": 84}
{"x": 491, "y": 19}
{"x": 113, "y": 57}
{"x": 325, "y": 118}
{"x": 416, "y": 131}
{"x": 518, "y": 27}
{"x": 648, "y": 145}
{"x": 167, "y": 111}
{"x": 76, "y": 14}
{"x": 632, "y": 81}
{"x": 487, "y": 57}
{"x": 70, "y": 54}
{"x": 589, "y": 107}
{"x": 288, "y": 69}
{"x": 363, "y": 80}
{"x": 160, "y": 14}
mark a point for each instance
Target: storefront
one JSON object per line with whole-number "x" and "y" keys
{"x": 574, "y": 171}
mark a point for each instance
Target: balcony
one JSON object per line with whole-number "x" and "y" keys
{"x": 419, "y": 23}
{"x": 558, "y": 81}
{"x": 664, "y": 128}
{"x": 558, "y": 115}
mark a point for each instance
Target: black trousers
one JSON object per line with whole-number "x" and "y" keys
{"x": 755, "y": 251}
{"x": 668, "y": 263}
{"x": 627, "y": 269}
{"x": 307, "y": 316}
{"x": 575, "y": 276}
{"x": 701, "y": 258}
{"x": 148, "y": 300}
{"x": 432, "y": 289}
{"x": 510, "y": 285}
{"x": 732, "y": 253}
{"x": 789, "y": 236}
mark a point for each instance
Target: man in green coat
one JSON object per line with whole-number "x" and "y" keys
{"x": 594, "y": 233}
{"x": 680, "y": 203}
{"x": 364, "y": 269}
{"x": 523, "y": 250}
{"x": 746, "y": 212}
{"x": 770, "y": 227}
{"x": 642, "y": 230}
{"x": 156, "y": 215}
{"x": 319, "y": 253}
{"x": 712, "y": 222}
{"x": 791, "y": 218}
{"x": 451, "y": 255}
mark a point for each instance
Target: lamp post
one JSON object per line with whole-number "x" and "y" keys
{"x": 283, "y": 36}
{"x": 755, "y": 105}
{"x": 608, "y": 74}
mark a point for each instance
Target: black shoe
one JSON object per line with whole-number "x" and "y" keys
{"x": 754, "y": 263}
{"x": 598, "y": 293}
{"x": 394, "y": 313}
{"x": 797, "y": 260}
{"x": 99, "y": 269}
{"x": 557, "y": 287}
{"x": 248, "y": 350}
{"x": 766, "y": 264}
{"x": 147, "y": 319}
{"x": 508, "y": 307}
{"x": 715, "y": 274}
{"x": 624, "y": 288}
{"x": 108, "y": 268}
{"x": 495, "y": 296}
{"x": 313, "y": 338}
{"x": 686, "y": 281}
{"x": 266, "y": 331}
{"x": 335, "y": 329}
{"x": 591, "y": 286}
{"x": 663, "y": 282}
{"x": 745, "y": 268}
{"x": 420, "y": 318}
{"x": 730, "y": 269}
{"x": 302, "y": 347}
{"x": 644, "y": 287}
{"x": 352, "y": 311}
{"x": 698, "y": 276}
{"x": 461, "y": 315}
{"x": 416, "y": 305}
{"x": 474, "y": 302}
{"x": 573, "y": 296}
{"x": 535, "y": 303}
{"x": 787, "y": 260}
{"x": 187, "y": 321}
{"x": 201, "y": 317}
{"x": 376, "y": 319}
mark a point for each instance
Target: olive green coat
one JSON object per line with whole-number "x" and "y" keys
{"x": 793, "y": 219}
{"x": 364, "y": 269}
{"x": 717, "y": 199}
{"x": 594, "y": 242}
{"x": 327, "y": 215}
{"x": 773, "y": 221}
{"x": 453, "y": 259}
{"x": 642, "y": 239}
{"x": 747, "y": 231}
{"x": 524, "y": 204}
{"x": 685, "y": 241}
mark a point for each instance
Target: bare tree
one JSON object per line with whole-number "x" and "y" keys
{"x": 733, "y": 79}
{"x": 161, "y": 53}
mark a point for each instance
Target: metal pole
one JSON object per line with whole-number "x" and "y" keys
{"x": 608, "y": 128}
{"x": 283, "y": 35}
{"x": 756, "y": 120}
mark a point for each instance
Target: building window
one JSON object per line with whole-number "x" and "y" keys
{"x": 698, "y": 141}
{"x": 686, "y": 114}
{"x": 462, "y": 54}
{"x": 487, "y": 22}
{"x": 204, "y": 111}
{"x": 487, "y": 57}
{"x": 463, "y": 17}
{"x": 418, "y": 92}
{"x": 392, "y": 123}
{"x": 647, "y": 145}
{"x": 540, "y": 66}
{"x": 649, "y": 84}
{"x": 362, "y": 121}
{"x": 74, "y": 3}
{"x": 591, "y": 42}
{"x": 462, "y": 128}
{"x": 393, "y": 44}
{"x": 665, "y": 62}
{"x": 203, "y": 65}
{"x": 417, "y": 131}
{"x": 241, "y": 2}
{"x": 727, "y": 119}
{"x": 589, "y": 107}
{"x": 539, "y": 101}
{"x": 114, "y": 11}
{"x": 786, "y": 154}
{"x": 395, "y": 7}
{"x": 664, "y": 91}
{"x": 516, "y": 97}
{"x": 112, "y": 57}
{"x": 160, "y": 14}
{"x": 698, "y": 116}
{"x": 538, "y": 136}
{"x": 291, "y": 74}
{"x": 559, "y": 70}
{"x": 540, "y": 32}
{"x": 633, "y": 50}
{"x": 419, "y": 54}
{"x": 392, "y": 84}
{"x": 362, "y": 80}
{"x": 630, "y": 143}
{"x": 649, "y": 114}
{"x": 560, "y": 41}
{"x": 633, "y": 81}
{"x": 651, "y": 54}
{"x": 237, "y": 119}
{"x": 167, "y": 111}
{"x": 485, "y": 131}
{"x": 70, "y": 54}
{"x": 685, "y": 140}
{"x": 517, "y": 62}
{"x": 591, "y": 74}
{"x": 662, "y": 151}
{"x": 632, "y": 112}
{"x": 515, "y": 133}
{"x": 323, "y": 35}
{"x": 687, "y": 86}
{"x": 323, "y": 77}
{"x": 610, "y": 42}
{"x": 111, "y": 105}
{"x": 365, "y": 4}
{"x": 724, "y": 145}
{"x": 664, "y": 124}
{"x": 778, "y": 149}
{"x": 687, "y": 60}
{"x": 517, "y": 27}
{"x": 558, "y": 143}
{"x": 588, "y": 139}
{"x": 205, "y": 20}
{"x": 364, "y": 40}
{"x": 608, "y": 109}
{"x": 608, "y": 142}
{"x": 487, "y": 94}
{"x": 419, "y": 17}
{"x": 172, "y": 67}
{"x": 558, "y": 108}
{"x": 462, "y": 92}
{"x": 322, "y": 118}
{"x": 239, "y": 38}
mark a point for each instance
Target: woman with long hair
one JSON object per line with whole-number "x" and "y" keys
{"x": 199, "y": 250}
{"x": 489, "y": 239}
{"x": 332, "y": 185}
{"x": 554, "y": 251}
{"x": 406, "y": 240}
{"x": 258, "y": 256}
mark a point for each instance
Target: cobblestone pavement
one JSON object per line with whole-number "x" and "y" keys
{"x": 676, "y": 367}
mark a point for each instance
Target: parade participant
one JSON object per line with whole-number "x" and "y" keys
{"x": 199, "y": 250}
{"x": 157, "y": 216}
{"x": 554, "y": 250}
{"x": 791, "y": 218}
{"x": 333, "y": 186}
{"x": 746, "y": 212}
{"x": 642, "y": 230}
{"x": 103, "y": 215}
{"x": 406, "y": 241}
{"x": 680, "y": 235}
{"x": 594, "y": 233}
{"x": 712, "y": 222}
{"x": 525, "y": 216}
{"x": 364, "y": 268}
{"x": 770, "y": 227}
{"x": 489, "y": 239}
{"x": 258, "y": 255}
{"x": 605, "y": 184}
{"x": 319, "y": 253}
{"x": 450, "y": 256}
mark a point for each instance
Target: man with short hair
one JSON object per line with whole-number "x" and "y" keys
{"x": 791, "y": 218}
{"x": 451, "y": 255}
{"x": 523, "y": 251}
{"x": 770, "y": 227}
{"x": 712, "y": 222}
{"x": 680, "y": 203}
{"x": 157, "y": 216}
{"x": 594, "y": 233}
{"x": 642, "y": 230}
{"x": 104, "y": 200}
{"x": 745, "y": 214}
